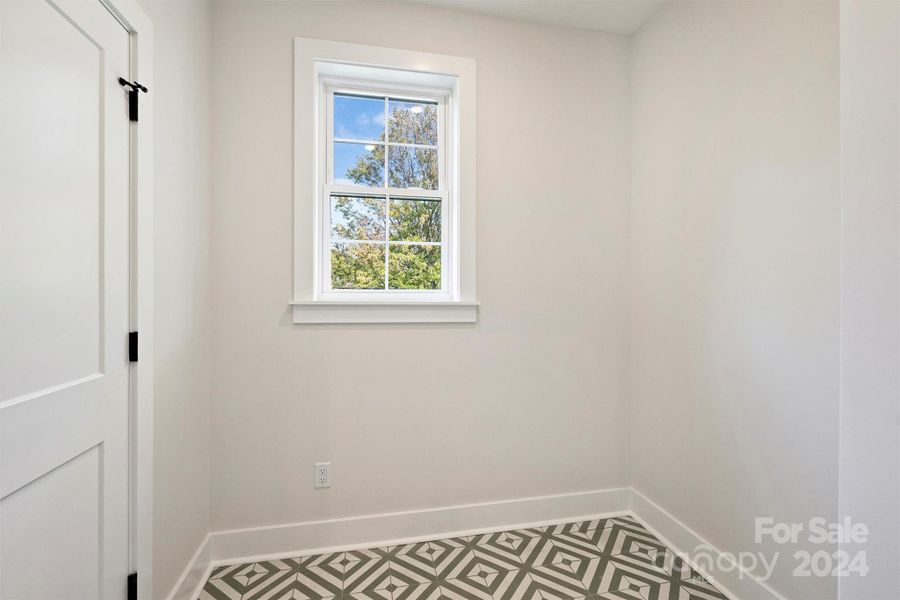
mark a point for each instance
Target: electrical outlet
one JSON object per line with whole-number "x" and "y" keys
{"x": 323, "y": 475}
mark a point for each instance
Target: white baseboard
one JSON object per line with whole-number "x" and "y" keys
{"x": 737, "y": 583}
{"x": 195, "y": 574}
{"x": 332, "y": 535}
{"x": 315, "y": 537}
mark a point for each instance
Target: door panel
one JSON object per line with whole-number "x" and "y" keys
{"x": 60, "y": 510}
{"x": 64, "y": 244}
{"x": 52, "y": 91}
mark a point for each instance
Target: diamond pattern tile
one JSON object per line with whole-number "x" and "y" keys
{"x": 615, "y": 558}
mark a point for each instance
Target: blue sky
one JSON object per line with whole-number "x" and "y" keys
{"x": 358, "y": 118}
{"x": 346, "y": 157}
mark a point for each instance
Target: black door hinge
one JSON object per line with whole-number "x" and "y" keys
{"x": 132, "y": 97}
{"x": 132, "y": 346}
{"x": 132, "y": 586}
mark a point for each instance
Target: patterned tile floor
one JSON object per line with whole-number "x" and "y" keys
{"x": 605, "y": 559}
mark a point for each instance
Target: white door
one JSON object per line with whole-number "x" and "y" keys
{"x": 64, "y": 294}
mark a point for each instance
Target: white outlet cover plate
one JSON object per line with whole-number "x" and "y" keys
{"x": 322, "y": 475}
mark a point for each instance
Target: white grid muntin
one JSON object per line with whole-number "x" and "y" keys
{"x": 437, "y": 96}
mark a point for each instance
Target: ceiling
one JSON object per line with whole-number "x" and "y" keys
{"x": 613, "y": 16}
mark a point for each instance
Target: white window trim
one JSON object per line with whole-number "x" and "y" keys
{"x": 320, "y": 63}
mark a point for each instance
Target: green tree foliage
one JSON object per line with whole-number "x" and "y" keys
{"x": 359, "y": 218}
{"x": 357, "y": 266}
{"x": 361, "y": 266}
{"x": 414, "y": 267}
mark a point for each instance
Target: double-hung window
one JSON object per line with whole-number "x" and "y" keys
{"x": 386, "y": 194}
{"x": 384, "y": 185}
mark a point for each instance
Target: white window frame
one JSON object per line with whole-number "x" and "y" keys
{"x": 449, "y": 279}
{"x": 322, "y": 67}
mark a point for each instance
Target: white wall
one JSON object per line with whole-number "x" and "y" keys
{"x": 870, "y": 307}
{"x": 529, "y": 401}
{"x": 182, "y": 33}
{"x": 731, "y": 237}
{"x": 735, "y": 270}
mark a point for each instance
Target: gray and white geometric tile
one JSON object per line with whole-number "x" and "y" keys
{"x": 604, "y": 559}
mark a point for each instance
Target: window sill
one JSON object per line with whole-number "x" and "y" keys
{"x": 325, "y": 311}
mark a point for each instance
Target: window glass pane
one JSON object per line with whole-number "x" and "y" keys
{"x": 355, "y": 218}
{"x": 414, "y": 267}
{"x": 413, "y": 122}
{"x": 359, "y": 164}
{"x": 358, "y": 118}
{"x": 357, "y": 266}
{"x": 415, "y": 220}
{"x": 413, "y": 167}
